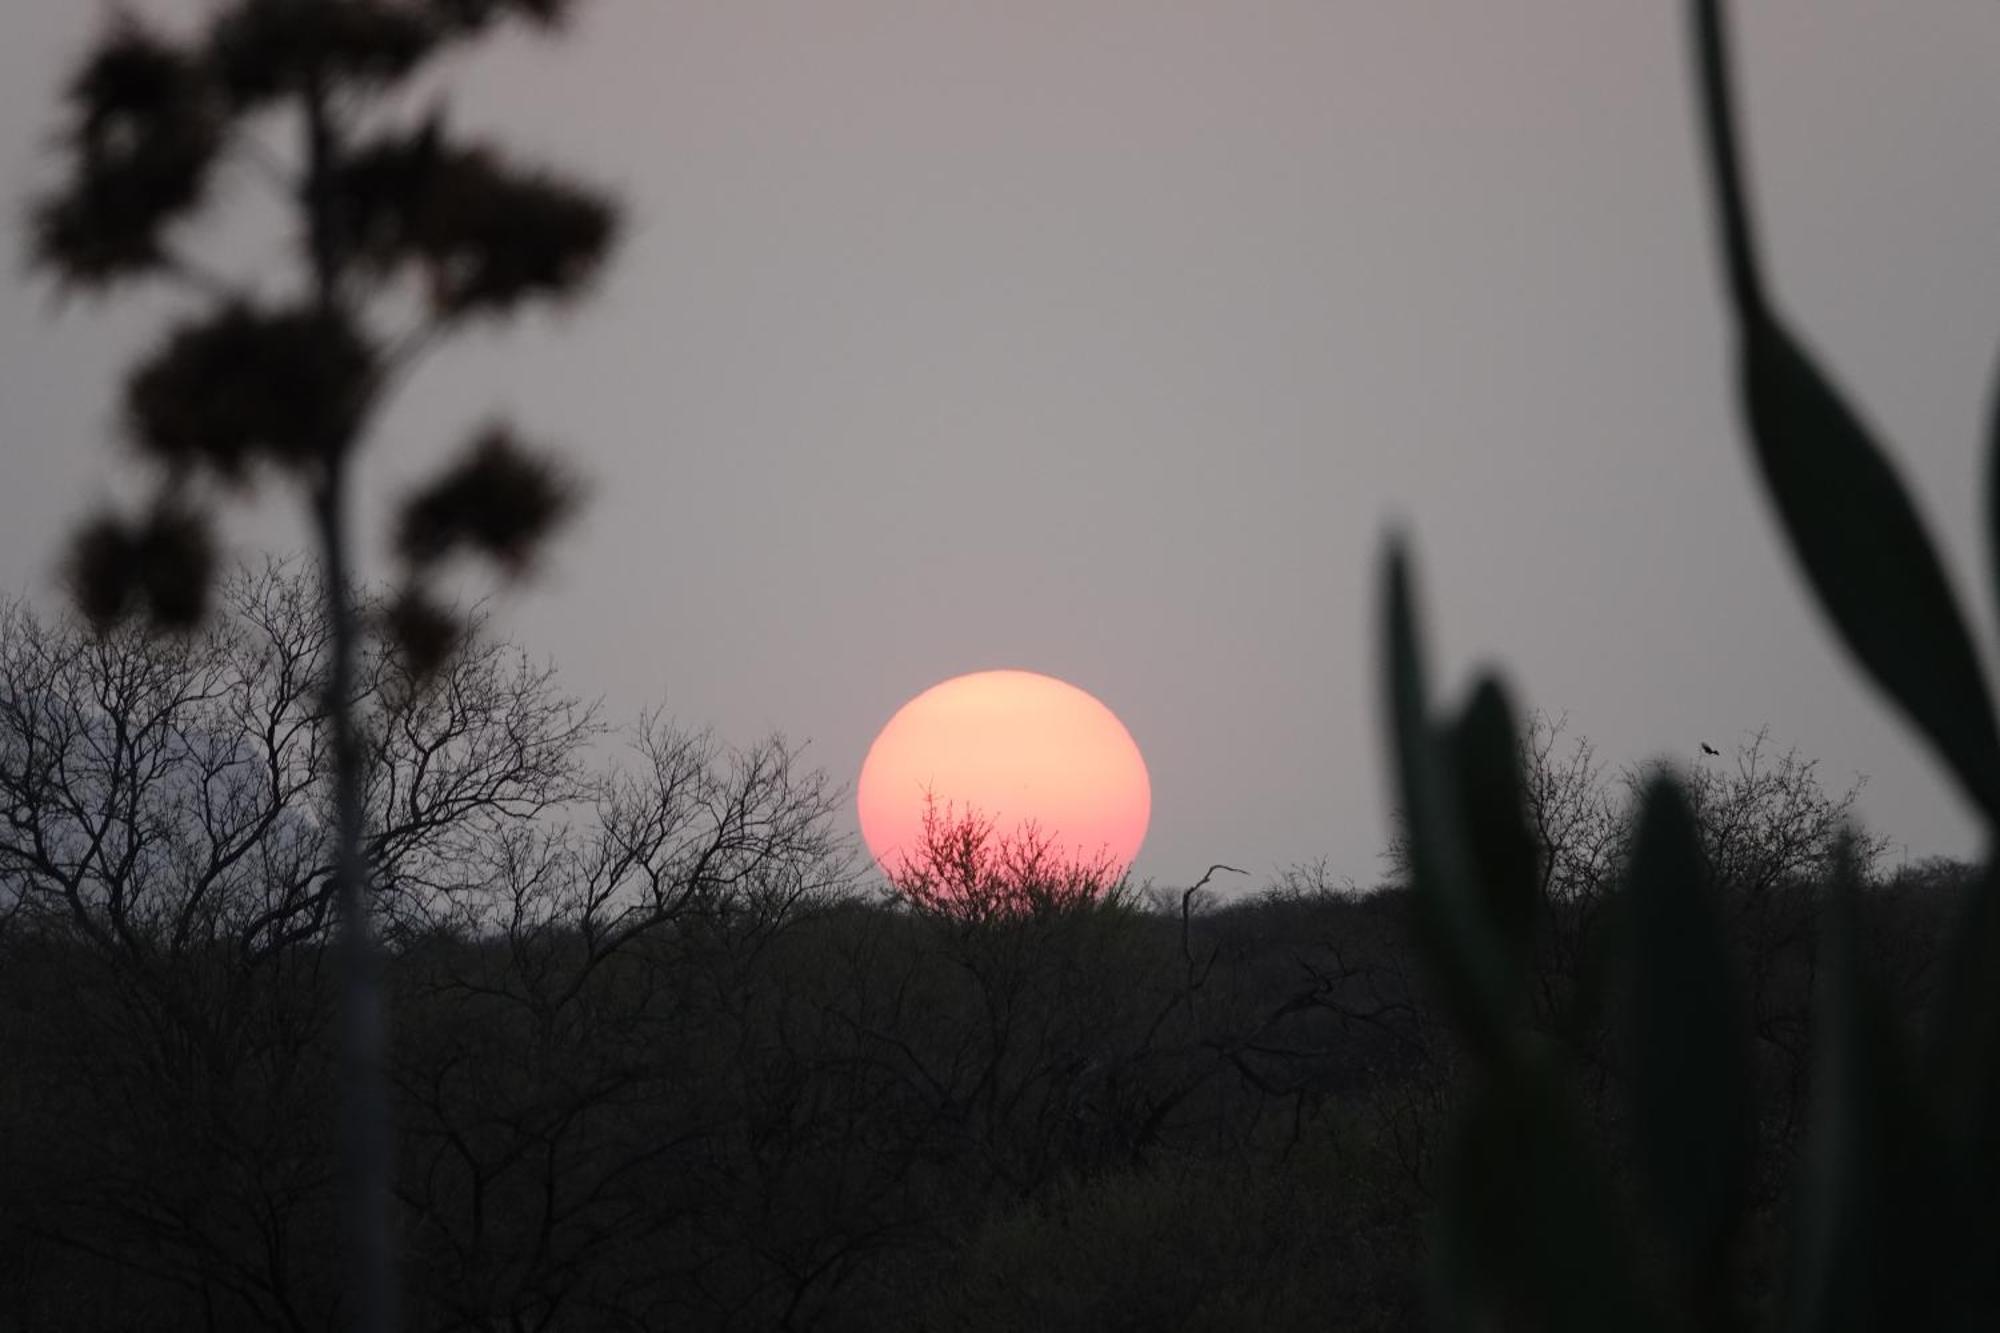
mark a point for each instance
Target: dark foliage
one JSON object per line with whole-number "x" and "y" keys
{"x": 143, "y": 135}
{"x": 176, "y": 565}
{"x": 662, "y": 1061}
{"x": 261, "y": 50}
{"x": 165, "y": 564}
{"x": 103, "y": 569}
{"x": 500, "y": 500}
{"x": 242, "y": 386}
{"x": 425, "y": 633}
{"x": 834, "y": 1113}
{"x": 473, "y": 15}
{"x": 486, "y": 237}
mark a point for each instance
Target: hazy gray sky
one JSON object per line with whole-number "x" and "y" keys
{"x": 1106, "y": 337}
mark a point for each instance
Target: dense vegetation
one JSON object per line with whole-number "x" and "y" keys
{"x": 663, "y": 1059}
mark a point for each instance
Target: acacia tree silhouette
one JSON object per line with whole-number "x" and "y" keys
{"x": 406, "y": 233}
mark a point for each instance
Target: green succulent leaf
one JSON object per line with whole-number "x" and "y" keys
{"x": 1532, "y": 1235}
{"x": 1964, "y": 1049}
{"x": 1850, "y": 520}
{"x": 1880, "y": 1234}
{"x": 1486, "y": 761}
{"x": 1868, "y": 556}
{"x": 1465, "y": 950}
{"x": 1993, "y": 488}
{"x": 1963, "y": 1056}
{"x": 1691, "y": 1068}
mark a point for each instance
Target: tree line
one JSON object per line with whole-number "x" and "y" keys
{"x": 663, "y": 1054}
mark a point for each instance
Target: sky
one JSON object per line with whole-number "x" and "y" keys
{"x": 1108, "y": 338}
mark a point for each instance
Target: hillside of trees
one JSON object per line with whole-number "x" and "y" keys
{"x": 665, "y": 1054}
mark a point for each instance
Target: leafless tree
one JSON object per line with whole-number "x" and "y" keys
{"x": 168, "y": 839}
{"x": 164, "y": 795}
{"x": 963, "y": 866}
{"x": 558, "y": 1095}
{"x": 1768, "y": 832}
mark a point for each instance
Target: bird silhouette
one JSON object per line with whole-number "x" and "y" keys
{"x": 1706, "y": 748}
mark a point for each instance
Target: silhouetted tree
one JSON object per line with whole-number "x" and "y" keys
{"x": 575, "y": 1080}
{"x": 168, "y": 865}
{"x": 406, "y": 232}
{"x": 963, "y": 867}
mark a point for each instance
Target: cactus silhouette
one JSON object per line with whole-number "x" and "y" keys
{"x": 1894, "y": 1227}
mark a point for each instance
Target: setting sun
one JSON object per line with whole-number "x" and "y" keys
{"x": 1015, "y": 747}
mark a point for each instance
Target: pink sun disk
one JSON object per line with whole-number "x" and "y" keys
{"x": 1017, "y": 748}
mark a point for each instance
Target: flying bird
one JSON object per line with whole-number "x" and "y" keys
{"x": 1706, "y": 748}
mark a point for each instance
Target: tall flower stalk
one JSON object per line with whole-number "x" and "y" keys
{"x": 406, "y": 233}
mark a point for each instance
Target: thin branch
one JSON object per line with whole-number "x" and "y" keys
{"x": 1187, "y": 904}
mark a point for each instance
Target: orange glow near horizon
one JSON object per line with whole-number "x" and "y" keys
{"x": 1016, "y": 747}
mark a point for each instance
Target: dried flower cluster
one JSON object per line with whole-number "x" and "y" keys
{"x": 498, "y": 501}
{"x": 145, "y": 128}
{"x": 263, "y": 49}
{"x": 238, "y": 386}
{"x": 243, "y": 389}
{"x": 485, "y": 237}
{"x": 249, "y": 388}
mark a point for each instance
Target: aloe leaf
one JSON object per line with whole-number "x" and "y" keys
{"x": 1691, "y": 1078}
{"x": 1850, "y": 521}
{"x": 1964, "y": 1046}
{"x": 1880, "y": 1235}
{"x": 1531, "y": 1234}
{"x": 1486, "y": 762}
{"x": 1838, "y": 1187}
{"x": 1993, "y": 487}
{"x": 1868, "y": 556}
{"x": 1465, "y": 952}
{"x": 1964, "y": 1062}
